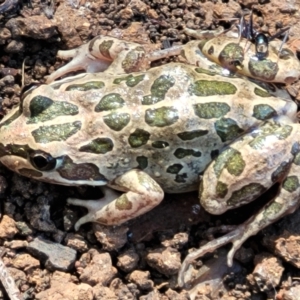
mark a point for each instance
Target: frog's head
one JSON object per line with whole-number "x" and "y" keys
{"x": 40, "y": 138}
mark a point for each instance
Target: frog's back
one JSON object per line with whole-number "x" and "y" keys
{"x": 169, "y": 121}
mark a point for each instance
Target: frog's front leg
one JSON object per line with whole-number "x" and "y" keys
{"x": 142, "y": 193}
{"x": 103, "y": 53}
{"x": 244, "y": 171}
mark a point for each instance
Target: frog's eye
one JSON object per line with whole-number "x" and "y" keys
{"x": 43, "y": 161}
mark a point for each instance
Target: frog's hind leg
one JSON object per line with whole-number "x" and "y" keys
{"x": 285, "y": 203}
{"x": 241, "y": 173}
{"x": 100, "y": 54}
{"x": 142, "y": 194}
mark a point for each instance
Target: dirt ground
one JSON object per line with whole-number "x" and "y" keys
{"x": 141, "y": 259}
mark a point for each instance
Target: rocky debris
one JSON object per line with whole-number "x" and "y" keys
{"x": 284, "y": 242}
{"x": 128, "y": 260}
{"x": 24, "y": 261}
{"x": 178, "y": 240}
{"x": 287, "y": 247}
{"x": 141, "y": 279}
{"x": 164, "y": 260}
{"x": 76, "y": 28}
{"x": 212, "y": 279}
{"x": 8, "y": 228}
{"x": 98, "y": 270}
{"x": 24, "y": 229}
{"x": 70, "y": 217}
{"x": 64, "y": 287}
{"x": 3, "y": 182}
{"x": 244, "y": 255}
{"x": 15, "y": 46}
{"x": 267, "y": 272}
{"x": 36, "y": 27}
{"x": 76, "y": 242}
{"x": 54, "y": 256}
{"x": 171, "y": 294}
{"x": 289, "y": 293}
{"x": 16, "y": 244}
{"x": 4, "y": 35}
{"x": 7, "y": 84}
{"x": 116, "y": 290}
{"x": 39, "y": 215}
{"x": 19, "y": 277}
{"x": 111, "y": 237}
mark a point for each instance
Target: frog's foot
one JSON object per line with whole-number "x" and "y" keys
{"x": 232, "y": 236}
{"x": 93, "y": 206}
{"x": 82, "y": 59}
{"x": 284, "y": 204}
{"x": 142, "y": 195}
{"x": 100, "y": 54}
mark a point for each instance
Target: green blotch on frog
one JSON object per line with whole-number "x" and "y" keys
{"x": 87, "y": 86}
{"x": 161, "y": 117}
{"x": 245, "y": 194}
{"x": 181, "y": 153}
{"x": 291, "y": 184}
{"x": 130, "y": 80}
{"x": 123, "y": 203}
{"x": 138, "y": 138}
{"x": 158, "y": 90}
{"x": 205, "y": 88}
{"x": 82, "y": 171}
{"x": 180, "y": 178}
{"x": 58, "y": 132}
{"x": 104, "y": 48}
{"x": 227, "y": 129}
{"x": 190, "y": 135}
{"x": 261, "y": 93}
{"x": 142, "y": 162}
{"x": 205, "y": 71}
{"x": 272, "y": 209}
{"x": 160, "y": 144}
{"x": 211, "y": 110}
{"x": 116, "y": 121}
{"x": 15, "y": 150}
{"x": 110, "y": 102}
{"x": 283, "y": 132}
{"x": 174, "y": 169}
{"x": 232, "y": 56}
{"x": 264, "y": 112}
{"x": 231, "y": 160}
{"x": 98, "y": 146}
{"x": 43, "y": 109}
{"x": 221, "y": 189}
{"x": 281, "y": 171}
{"x": 263, "y": 69}
{"x": 296, "y": 160}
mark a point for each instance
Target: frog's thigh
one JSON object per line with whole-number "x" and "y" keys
{"x": 246, "y": 169}
{"x": 143, "y": 193}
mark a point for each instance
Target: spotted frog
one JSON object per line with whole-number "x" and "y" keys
{"x": 138, "y": 132}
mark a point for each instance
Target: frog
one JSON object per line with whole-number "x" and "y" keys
{"x": 137, "y": 132}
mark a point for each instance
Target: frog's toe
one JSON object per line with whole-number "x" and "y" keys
{"x": 93, "y": 207}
